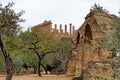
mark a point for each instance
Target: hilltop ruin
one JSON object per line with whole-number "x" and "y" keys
{"x": 87, "y": 43}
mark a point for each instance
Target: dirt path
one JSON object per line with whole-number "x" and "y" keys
{"x": 35, "y": 77}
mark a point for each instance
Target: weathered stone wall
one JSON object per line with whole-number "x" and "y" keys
{"x": 96, "y": 26}
{"x": 98, "y": 70}
{"x": 46, "y": 27}
{"x": 79, "y": 61}
{"x": 74, "y": 65}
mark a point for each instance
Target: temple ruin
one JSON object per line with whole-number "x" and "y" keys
{"x": 86, "y": 43}
{"x": 47, "y": 27}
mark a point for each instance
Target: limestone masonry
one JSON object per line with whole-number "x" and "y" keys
{"x": 87, "y": 43}
{"x": 46, "y": 27}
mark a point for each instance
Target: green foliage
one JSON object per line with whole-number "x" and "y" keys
{"x": 116, "y": 67}
{"x": 97, "y": 7}
{"x": 9, "y": 20}
{"x": 17, "y": 60}
{"x": 2, "y": 63}
{"x": 2, "y": 66}
{"x": 48, "y": 59}
{"x": 112, "y": 41}
{"x": 65, "y": 44}
{"x": 39, "y": 45}
{"x": 41, "y": 42}
{"x": 64, "y": 49}
{"x": 9, "y": 27}
{"x": 60, "y": 58}
{"x": 14, "y": 44}
{"x": 20, "y": 54}
{"x": 30, "y": 59}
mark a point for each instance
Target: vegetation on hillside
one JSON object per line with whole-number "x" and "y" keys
{"x": 97, "y": 7}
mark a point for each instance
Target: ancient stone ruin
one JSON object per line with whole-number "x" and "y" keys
{"x": 46, "y": 27}
{"x": 87, "y": 45}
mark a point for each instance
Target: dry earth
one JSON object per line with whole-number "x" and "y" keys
{"x": 35, "y": 77}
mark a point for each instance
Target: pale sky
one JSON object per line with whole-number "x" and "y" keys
{"x": 59, "y": 11}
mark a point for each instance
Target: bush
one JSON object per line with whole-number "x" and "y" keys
{"x": 2, "y": 65}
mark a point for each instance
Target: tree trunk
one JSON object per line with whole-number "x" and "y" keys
{"x": 44, "y": 68}
{"x": 8, "y": 61}
{"x": 39, "y": 64}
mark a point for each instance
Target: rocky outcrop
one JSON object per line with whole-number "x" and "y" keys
{"x": 74, "y": 66}
{"x": 98, "y": 70}
{"x": 80, "y": 61}
{"x": 104, "y": 69}
{"x": 87, "y": 42}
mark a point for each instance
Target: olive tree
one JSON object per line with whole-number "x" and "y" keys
{"x": 8, "y": 27}
{"x": 41, "y": 44}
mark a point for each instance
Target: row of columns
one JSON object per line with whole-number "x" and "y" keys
{"x": 71, "y": 30}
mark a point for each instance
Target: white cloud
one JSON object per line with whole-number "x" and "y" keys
{"x": 60, "y": 11}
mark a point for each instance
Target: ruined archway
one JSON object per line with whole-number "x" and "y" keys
{"x": 78, "y": 38}
{"x": 88, "y": 34}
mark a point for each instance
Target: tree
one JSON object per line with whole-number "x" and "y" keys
{"x": 64, "y": 52}
{"x": 8, "y": 27}
{"x": 30, "y": 59}
{"x": 97, "y": 7}
{"x": 20, "y": 56}
{"x": 14, "y": 45}
{"x": 41, "y": 44}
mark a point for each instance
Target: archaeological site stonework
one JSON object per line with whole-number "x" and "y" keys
{"x": 56, "y": 30}
{"x": 86, "y": 46}
{"x": 87, "y": 54}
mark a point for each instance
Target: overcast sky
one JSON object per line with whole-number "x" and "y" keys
{"x": 59, "y": 11}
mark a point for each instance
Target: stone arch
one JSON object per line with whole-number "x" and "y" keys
{"x": 78, "y": 38}
{"x": 88, "y": 34}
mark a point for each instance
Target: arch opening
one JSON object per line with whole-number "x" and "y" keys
{"x": 88, "y": 34}
{"x": 78, "y": 38}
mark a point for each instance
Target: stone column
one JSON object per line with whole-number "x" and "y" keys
{"x": 61, "y": 31}
{"x": 73, "y": 29}
{"x": 55, "y": 28}
{"x": 70, "y": 28}
{"x": 65, "y": 28}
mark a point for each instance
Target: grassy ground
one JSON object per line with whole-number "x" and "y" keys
{"x": 35, "y": 77}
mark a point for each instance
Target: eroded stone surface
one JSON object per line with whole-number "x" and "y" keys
{"x": 86, "y": 43}
{"x": 98, "y": 70}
